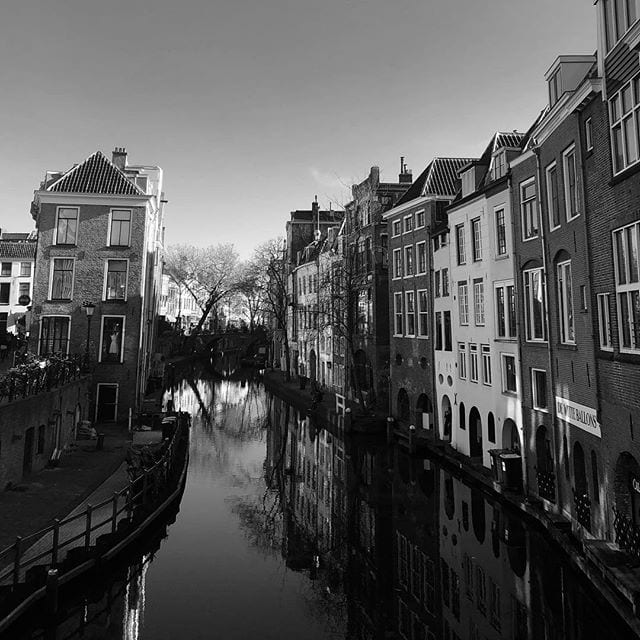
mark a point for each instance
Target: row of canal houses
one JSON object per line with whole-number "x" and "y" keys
{"x": 493, "y": 303}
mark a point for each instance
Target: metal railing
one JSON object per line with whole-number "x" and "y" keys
{"x": 546, "y": 485}
{"x": 81, "y": 530}
{"x": 582, "y": 504}
{"x": 38, "y": 375}
{"x": 627, "y": 533}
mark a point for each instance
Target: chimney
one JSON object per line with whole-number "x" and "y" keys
{"x": 119, "y": 157}
{"x": 315, "y": 207}
{"x": 405, "y": 176}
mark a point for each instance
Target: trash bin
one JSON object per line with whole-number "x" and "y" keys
{"x": 511, "y": 464}
{"x": 496, "y": 464}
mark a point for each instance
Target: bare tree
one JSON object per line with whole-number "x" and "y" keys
{"x": 251, "y": 292}
{"x": 209, "y": 274}
{"x": 270, "y": 267}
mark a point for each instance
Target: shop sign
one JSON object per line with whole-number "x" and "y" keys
{"x": 635, "y": 484}
{"x": 578, "y": 415}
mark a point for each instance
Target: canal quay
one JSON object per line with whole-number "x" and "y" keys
{"x": 292, "y": 529}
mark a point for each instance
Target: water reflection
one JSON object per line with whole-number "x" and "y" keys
{"x": 289, "y": 529}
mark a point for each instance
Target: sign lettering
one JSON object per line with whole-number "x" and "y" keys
{"x": 578, "y": 415}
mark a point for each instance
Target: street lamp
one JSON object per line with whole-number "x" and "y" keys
{"x": 89, "y": 308}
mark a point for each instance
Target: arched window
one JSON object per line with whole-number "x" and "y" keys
{"x": 463, "y": 424}
{"x": 491, "y": 428}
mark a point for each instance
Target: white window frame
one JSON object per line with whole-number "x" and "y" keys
{"x": 398, "y": 313}
{"x": 75, "y": 241}
{"x": 565, "y": 298}
{"x": 511, "y": 332}
{"x": 487, "y": 376}
{"x": 409, "y": 251}
{"x": 503, "y": 358}
{"x": 478, "y": 303}
{"x": 588, "y": 134}
{"x": 461, "y": 254}
{"x": 421, "y": 247}
{"x": 111, "y": 221}
{"x": 474, "y": 369}
{"x": 104, "y": 285}
{"x": 396, "y": 228}
{"x": 463, "y": 303}
{"x": 497, "y": 210}
{"x": 73, "y": 277}
{"x": 407, "y": 224}
{"x": 445, "y": 279}
{"x": 524, "y": 204}
{"x": 124, "y": 333}
{"x": 462, "y": 360}
{"x": 397, "y": 264}
{"x": 410, "y": 295}
{"x": 604, "y": 321}
{"x": 528, "y": 310}
{"x": 627, "y": 122}
{"x": 420, "y": 223}
{"x": 476, "y": 240}
{"x": 547, "y": 176}
{"x": 535, "y": 399}
{"x": 436, "y": 284}
{"x": 115, "y": 407}
{"x": 423, "y": 313}
{"x": 54, "y": 315}
{"x": 568, "y": 196}
{"x": 627, "y": 283}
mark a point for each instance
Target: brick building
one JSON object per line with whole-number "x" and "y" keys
{"x": 100, "y": 233}
{"x": 413, "y": 336}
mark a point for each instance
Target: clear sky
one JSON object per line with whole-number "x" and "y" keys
{"x": 252, "y": 107}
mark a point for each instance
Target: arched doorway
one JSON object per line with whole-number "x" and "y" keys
{"x": 446, "y": 419}
{"x": 544, "y": 465}
{"x": 424, "y": 411}
{"x": 510, "y": 435}
{"x": 581, "y": 490}
{"x": 475, "y": 433}
{"x": 312, "y": 365}
{"x": 404, "y": 408}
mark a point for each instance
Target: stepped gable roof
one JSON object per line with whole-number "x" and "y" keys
{"x": 13, "y": 249}
{"x": 440, "y": 177}
{"x": 97, "y": 174}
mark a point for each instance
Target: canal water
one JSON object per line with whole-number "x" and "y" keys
{"x": 292, "y": 530}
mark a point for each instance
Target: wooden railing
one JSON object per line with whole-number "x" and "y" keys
{"x": 46, "y": 548}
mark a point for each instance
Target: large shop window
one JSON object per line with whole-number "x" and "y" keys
{"x": 626, "y": 243}
{"x": 54, "y": 335}
{"x": 112, "y": 339}
{"x": 534, "y": 305}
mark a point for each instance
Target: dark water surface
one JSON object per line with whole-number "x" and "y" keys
{"x": 287, "y": 530}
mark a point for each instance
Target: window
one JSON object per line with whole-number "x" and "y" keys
{"x": 501, "y": 233}
{"x": 486, "y": 364}
{"x": 54, "y": 335}
{"x": 539, "y": 389}
{"x": 422, "y": 257}
{"x": 463, "y": 302}
{"x": 624, "y": 109}
{"x": 478, "y": 302}
{"x": 445, "y": 283}
{"x": 604, "y": 321}
{"x": 411, "y": 313}
{"x": 397, "y": 302}
{"x": 460, "y": 251}
{"x": 534, "y": 305}
{"x": 116, "y": 280}
{"x": 499, "y": 164}
{"x": 473, "y": 362}
{"x": 476, "y": 238}
{"x": 120, "y": 232}
{"x": 619, "y": 16}
{"x": 462, "y": 360}
{"x": 565, "y": 299}
{"x": 528, "y": 209}
{"x": 626, "y": 243}
{"x": 436, "y": 284}
{"x": 67, "y": 225}
{"x": 572, "y": 207}
{"x": 481, "y": 589}
{"x": 5, "y": 292}
{"x": 408, "y": 223}
{"x": 397, "y": 227}
{"x": 4, "y": 317}
{"x": 112, "y": 339}
{"x": 61, "y": 279}
{"x": 408, "y": 260}
{"x": 505, "y": 311}
{"x": 588, "y": 134}
{"x": 438, "y": 331}
{"x": 419, "y": 219}
{"x": 397, "y": 263}
{"x": 141, "y": 182}
{"x": 447, "y": 330}
{"x": 423, "y": 313}
{"x": 25, "y": 269}
{"x": 555, "y": 88}
{"x": 5, "y": 269}
{"x": 24, "y": 289}
{"x": 509, "y": 379}
{"x": 553, "y": 203}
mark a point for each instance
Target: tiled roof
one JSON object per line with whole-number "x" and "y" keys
{"x": 440, "y": 177}
{"x": 513, "y": 140}
{"x": 26, "y": 249}
{"x": 97, "y": 174}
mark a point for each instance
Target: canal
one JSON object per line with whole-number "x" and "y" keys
{"x": 287, "y": 529}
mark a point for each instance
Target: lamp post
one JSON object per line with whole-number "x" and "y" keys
{"x": 89, "y": 308}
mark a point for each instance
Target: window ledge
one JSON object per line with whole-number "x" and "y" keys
{"x": 624, "y": 356}
{"x": 567, "y": 347}
{"x": 624, "y": 174}
{"x": 536, "y": 343}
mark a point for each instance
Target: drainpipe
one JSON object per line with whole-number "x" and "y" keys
{"x": 434, "y": 389}
{"x": 543, "y": 244}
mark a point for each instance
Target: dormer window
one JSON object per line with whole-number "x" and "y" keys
{"x": 555, "y": 88}
{"x": 468, "y": 182}
{"x": 499, "y": 166}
